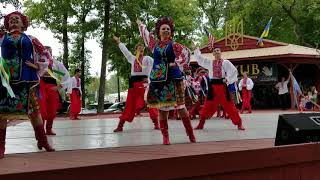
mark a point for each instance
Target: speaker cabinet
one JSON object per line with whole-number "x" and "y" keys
{"x": 298, "y": 128}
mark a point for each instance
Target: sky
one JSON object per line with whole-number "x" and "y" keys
{"x": 46, "y": 38}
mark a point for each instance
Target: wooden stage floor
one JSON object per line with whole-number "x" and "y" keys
{"x": 89, "y": 149}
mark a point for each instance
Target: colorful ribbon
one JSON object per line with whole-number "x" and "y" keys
{"x": 5, "y": 77}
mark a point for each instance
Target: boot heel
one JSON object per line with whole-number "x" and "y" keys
{"x": 39, "y": 146}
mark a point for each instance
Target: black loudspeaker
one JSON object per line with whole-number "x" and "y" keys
{"x": 298, "y": 128}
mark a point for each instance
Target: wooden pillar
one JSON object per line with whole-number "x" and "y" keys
{"x": 318, "y": 77}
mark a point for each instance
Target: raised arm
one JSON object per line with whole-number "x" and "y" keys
{"x": 129, "y": 56}
{"x": 202, "y": 61}
{"x": 147, "y": 37}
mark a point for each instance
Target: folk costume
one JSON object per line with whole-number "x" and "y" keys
{"x": 140, "y": 69}
{"x": 75, "y": 98}
{"x": 166, "y": 90}
{"x": 53, "y": 83}
{"x": 246, "y": 85}
{"x": 221, "y": 71}
{"x": 19, "y": 87}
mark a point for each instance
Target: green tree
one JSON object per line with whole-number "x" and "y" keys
{"x": 55, "y": 15}
{"x": 294, "y": 21}
{"x": 86, "y": 23}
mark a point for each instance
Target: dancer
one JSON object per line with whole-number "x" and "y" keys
{"x": 19, "y": 80}
{"x": 53, "y": 77}
{"x": 166, "y": 90}
{"x": 140, "y": 69}
{"x": 189, "y": 84}
{"x": 283, "y": 92}
{"x": 75, "y": 95}
{"x": 246, "y": 85}
{"x": 201, "y": 89}
{"x": 221, "y": 73}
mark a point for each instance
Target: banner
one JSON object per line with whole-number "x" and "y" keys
{"x": 259, "y": 72}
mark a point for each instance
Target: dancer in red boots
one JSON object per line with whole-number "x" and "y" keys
{"x": 201, "y": 88}
{"x": 166, "y": 90}
{"x": 53, "y": 78}
{"x": 19, "y": 84}
{"x": 140, "y": 70}
{"x": 75, "y": 95}
{"x": 246, "y": 85}
{"x": 221, "y": 72}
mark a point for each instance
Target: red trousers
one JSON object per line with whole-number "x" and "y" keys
{"x": 75, "y": 107}
{"x": 134, "y": 102}
{"x": 49, "y": 102}
{"x": 246, "y": 97}
{"x": 219, "y": 97}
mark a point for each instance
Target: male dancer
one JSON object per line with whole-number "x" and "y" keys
{"x": 140, "y": 70}
{"x": 221, "y": 73}
{"x": 53, "y": 77}
{"x": 75, "y": 95}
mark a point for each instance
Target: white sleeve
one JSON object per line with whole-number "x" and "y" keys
{"x": 147, "y": 37}
{"x": 231, "y": 70}
{"x": 250, "y": 84}
{"x": 240, "y": 84}
{"x": 149, "y": 64}
{"x": 204, "y": 62}
{"x": 129, "y": 56}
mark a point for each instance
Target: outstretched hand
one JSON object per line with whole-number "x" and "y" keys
{"x": 117, "y": 39}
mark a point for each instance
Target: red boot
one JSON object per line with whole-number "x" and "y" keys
{"x": 187, "y": 125}
{"x": 240, "y": 126}
{"x": 49, "y": 128}
{"x": 42, "y": 138}
{"x": 120, "y": 126}
{"x": 2, "y": 142}
{"x": 156, "y": 124}
{"x": 164, "y": 131}
{"x": 201, "y": 123}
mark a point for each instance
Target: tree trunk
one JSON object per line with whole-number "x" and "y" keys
{"x": 104, "y": 56}
{"x": 83, "y": 75}
{"x": 118, "y": 85}
{"x": 65, "y": 40}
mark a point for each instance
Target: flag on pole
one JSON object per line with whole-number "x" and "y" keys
{"x": 296, "y": 89}
{"x": 210, "y": 38}
{"x": 265, "y": 33}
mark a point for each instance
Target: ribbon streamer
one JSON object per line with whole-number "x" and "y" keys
{"x": 5, "y": 77}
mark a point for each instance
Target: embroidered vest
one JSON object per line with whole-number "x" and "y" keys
{"x": 137, "y": 65}
{"x": 217, "y": 69}
{"x": 160, "y": 70}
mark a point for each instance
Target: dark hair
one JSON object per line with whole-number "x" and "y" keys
{"x": 137, "y": 45}
{"x": 164, "y": 20}
{"x": 24, "y": 19}
{"x": 76, "y": 71}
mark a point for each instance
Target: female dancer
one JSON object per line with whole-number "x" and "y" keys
{"x": 166, "y": 90}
